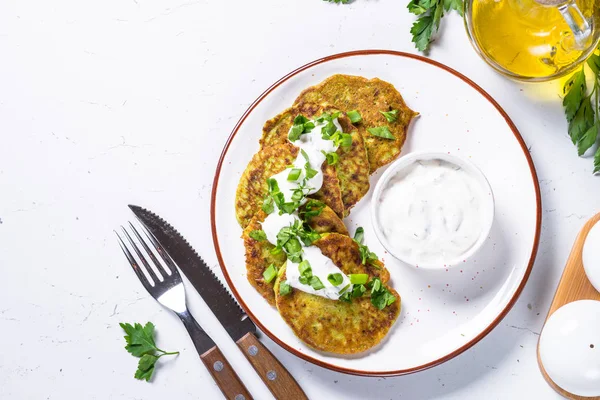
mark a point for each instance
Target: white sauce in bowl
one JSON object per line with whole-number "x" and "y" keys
{"x": 432, "y": 211}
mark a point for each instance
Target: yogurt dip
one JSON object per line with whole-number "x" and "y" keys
{"x": 432, "y": 210}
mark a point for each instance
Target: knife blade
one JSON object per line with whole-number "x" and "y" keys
{"x": 241, "y": 329}
{"x": 214, "y": 294}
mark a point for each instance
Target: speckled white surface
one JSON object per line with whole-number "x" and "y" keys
{"x": 115, "y": 102}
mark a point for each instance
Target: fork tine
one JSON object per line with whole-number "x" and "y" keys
{"x": 134, "y": 264}
{"x": 163, "y": 253}
{"x": 149, "y": 269}
{"x": 145, "y": 246}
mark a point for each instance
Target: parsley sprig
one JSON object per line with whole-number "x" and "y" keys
{"x": 430, "y": 13}
{"x": 582, "y": 109}
{"x": 141, "y": 344}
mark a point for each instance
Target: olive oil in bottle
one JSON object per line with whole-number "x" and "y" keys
{"x": 527, "y": 38}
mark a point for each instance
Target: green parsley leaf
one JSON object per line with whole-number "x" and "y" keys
{"x": 574, "y": 90}
{"x": 294, "y": 174}
{"x": 258, "y": 234}
{"x": 594, "y": 63}
{"x": 583, "y": 121}
{"x": 354, "y": 116}
{"x": 140, "y": 339}
{"x": 588, "y": 139}
{"x": 422, "y": 30}
{"x": 382, "y": 299}
{"x": 419, "y": 7}
{"x": 391, "y": 116}
{"x": 267, "y": 205}
{"x": 140, "y": 343}
{"x": 310, "y": 173}
{"x": 358, "y": 279}
{"x": 366, "y": 255}
{"x": 382, "y": 132}
{"x": 358, "y": 291}
{"x": 456, "y": 5}
{"x": 285, "y": 288}
{"x": 316, "y": 283}
{"x": 335, "y": 279}
{"x": 270, "y": 273}
{"x": 597, "y": 161}
{"x": 146, "y": 367}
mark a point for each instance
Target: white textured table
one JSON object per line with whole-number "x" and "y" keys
{"x": 108, "y": 103}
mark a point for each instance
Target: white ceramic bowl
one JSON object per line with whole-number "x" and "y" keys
{"x": 569, "y": 347}
{"x": 404, "y": 162}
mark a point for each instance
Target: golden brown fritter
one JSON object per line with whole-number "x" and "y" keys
{"x": 337, "y": 326}
{"x": 353, "y": 172}
{"x": 369, "y": 97}
{"x": 258, "y": 253}
{"x": 269, "y": 161}
{"x": 352, "y": 168}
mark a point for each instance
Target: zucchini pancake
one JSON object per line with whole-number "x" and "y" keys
{"x": 313, "y": 166}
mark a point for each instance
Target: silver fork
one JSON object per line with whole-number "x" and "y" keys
{"x": 167, "y": 288}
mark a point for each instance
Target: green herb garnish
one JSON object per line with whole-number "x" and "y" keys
{"x": 381, "y": 297}
{"x": 332, "y": 158}
{"x": 316, "y": 283}
{"x": 258, "y": 234}
{"x": 366, "y": 255}
{"x": 294, "y": 174}
{"x": 301, "y": 125}
{"x": 312, "y": 208}
{"x": 140, "y": 343}
{"x": 430, "y": 13}
{"x": 382, "y": 132}
{"x": 358, "y": 279}
{"x": 335, "y": 279}
{"x": 285, "y": 288}
{"x": 270, "y": 273}
{"x": 391, "y": 116}
{"x": 354, "y": 116}
{"x": 582, "y": 109}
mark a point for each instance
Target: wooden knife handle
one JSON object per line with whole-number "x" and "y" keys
{"x": 271, "y": 371}
{"x": 226, "y": 378}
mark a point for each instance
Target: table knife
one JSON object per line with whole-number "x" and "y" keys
{"x": 241, "y": 329}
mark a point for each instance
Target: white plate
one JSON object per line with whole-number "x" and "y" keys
{"x": 443, "y": 312}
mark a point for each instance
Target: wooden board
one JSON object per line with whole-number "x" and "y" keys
{"x": 574, "y": 285}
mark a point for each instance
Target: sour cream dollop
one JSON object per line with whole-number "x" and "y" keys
{"x": 312, "y": 147}
{"x": 433, "y": 212}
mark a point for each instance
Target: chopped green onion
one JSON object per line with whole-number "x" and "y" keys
{"x": 359, "y": 235}
{"x": 270, "y": 273}
{"x": 375, "y": 285}
{"x": 294, "y": 174}
{"x": 305, "y": 269}
{"x": 332, "y": 158}
{"x": 285, "y": 288}
{"x": 391, "y": 116}
{"x": 316, "y": 283}
{"x": 258, "y": 234}
{"x": 354, "y": 116}
{"x": 382, "y": 132}
{"x": 358, "y": 279}
{"x": 335, "y": 279}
